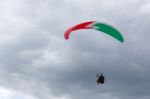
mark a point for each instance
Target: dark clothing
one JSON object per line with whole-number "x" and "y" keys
{"x": 100, "y": 79}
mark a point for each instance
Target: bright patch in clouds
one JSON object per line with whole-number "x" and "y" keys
{"x": 6, "y": 93}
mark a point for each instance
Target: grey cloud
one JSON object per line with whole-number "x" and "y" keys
{"x": 36, "y": 59}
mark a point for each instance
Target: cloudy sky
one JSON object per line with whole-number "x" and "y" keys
{"x": 36, "y": 62}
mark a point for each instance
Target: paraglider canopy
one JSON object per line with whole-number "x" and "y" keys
{"x": 107, "y": 29}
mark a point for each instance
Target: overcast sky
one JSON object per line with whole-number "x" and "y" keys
{"x": 36, "y": 62}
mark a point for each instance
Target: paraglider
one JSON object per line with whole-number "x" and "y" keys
{"x": 100, "y": 79}
{"x": 96, "y": 26}
{"x": 99, "y": 26}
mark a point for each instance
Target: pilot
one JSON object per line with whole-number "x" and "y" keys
{"x": 100, "y": 79}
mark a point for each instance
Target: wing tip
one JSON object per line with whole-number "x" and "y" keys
{"x": 66, "y": 37}
{"x": 121, "y": 40}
